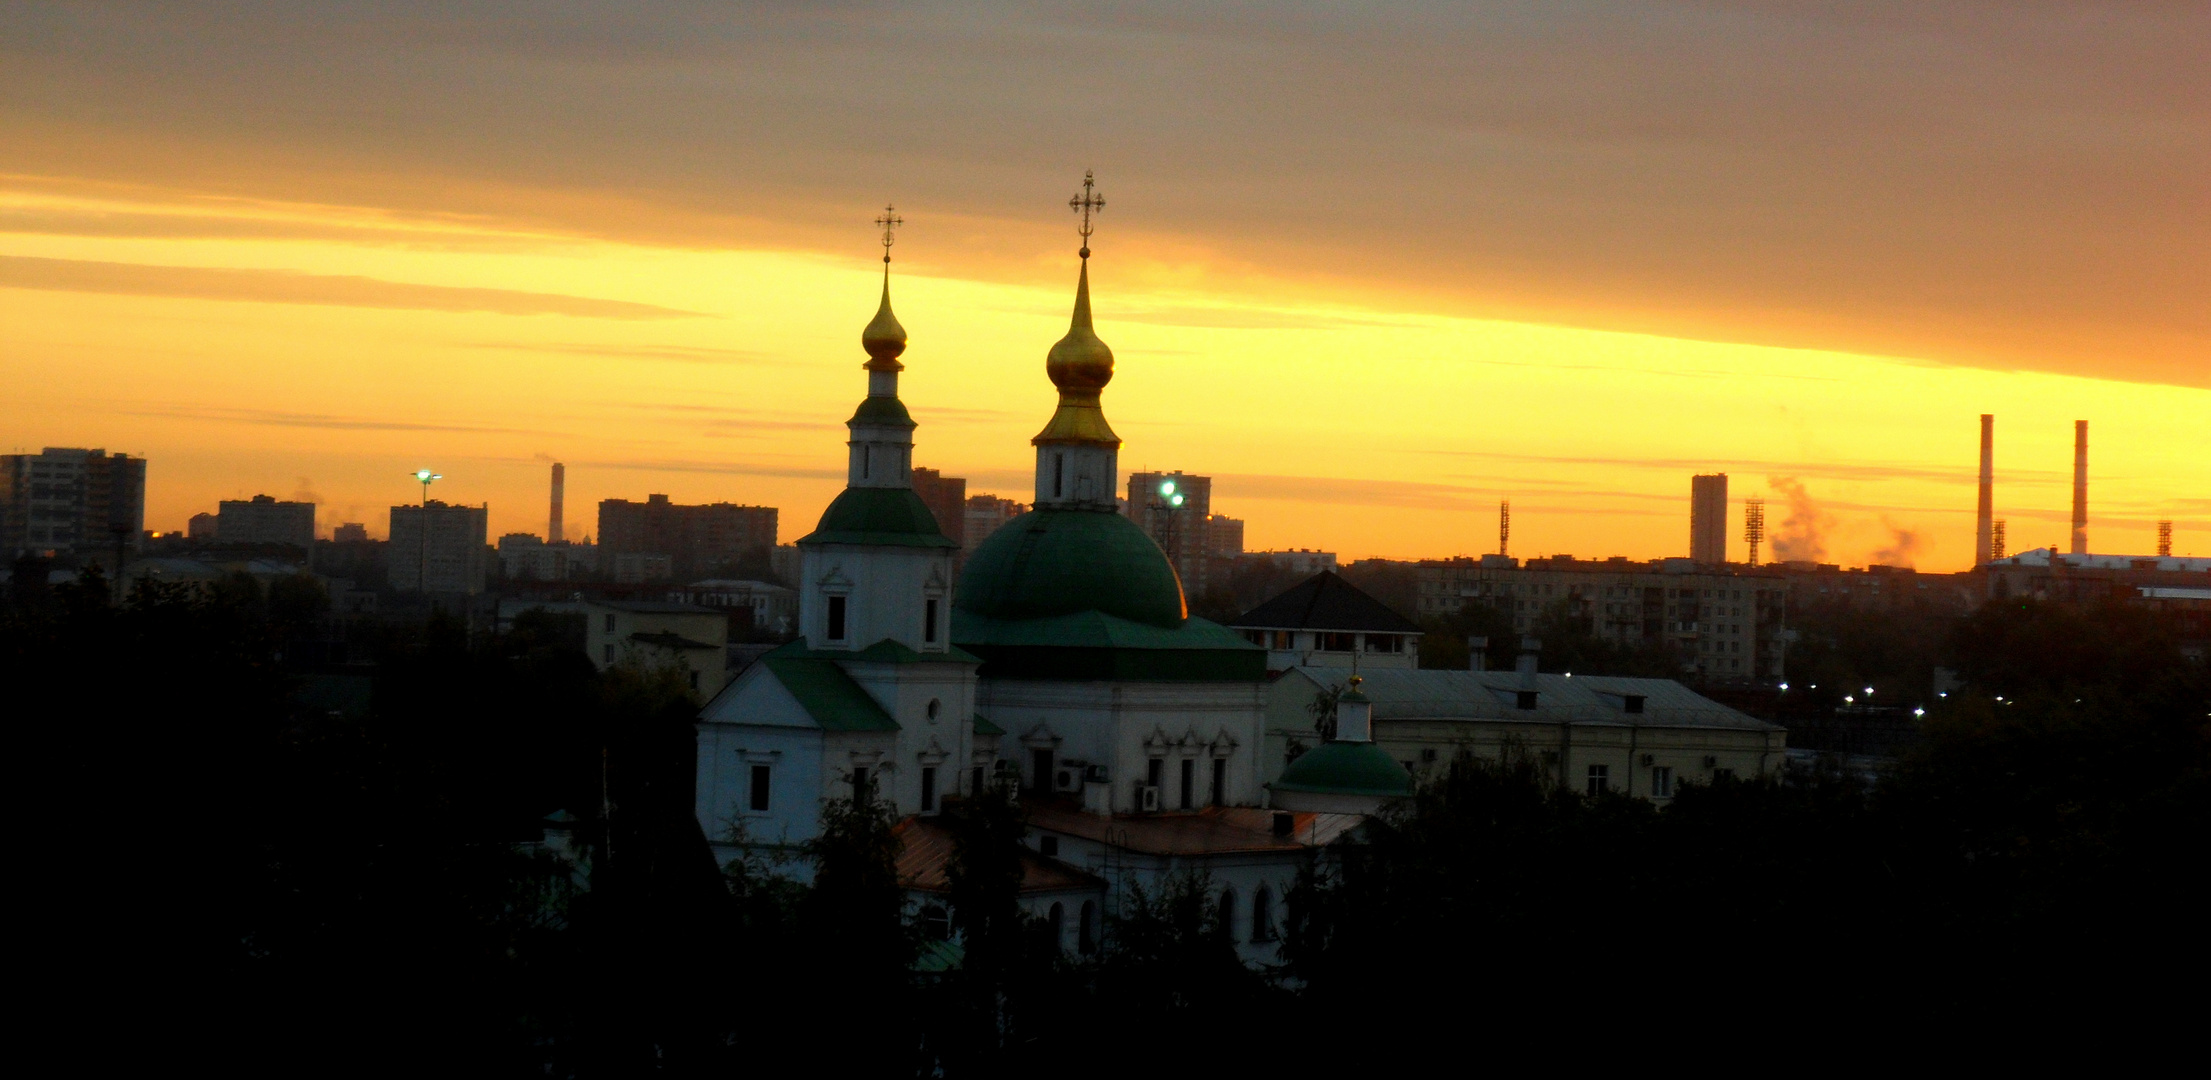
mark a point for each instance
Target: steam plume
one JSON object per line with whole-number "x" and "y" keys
{"x": 1800, "y": 536}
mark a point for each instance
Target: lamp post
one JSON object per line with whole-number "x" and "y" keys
{"x": 422, "y": 572}
{"x": 1165, "y": 506}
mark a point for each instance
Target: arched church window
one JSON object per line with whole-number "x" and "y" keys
{"x": 1228, "y": 913}
{"x": 935, "y": 707}
{"x": 1262, "y": 914}
{"x": 1086, "y": 928}
{"x": 935, "y": 925}
{"x": 1059, "y": 475}
{"x": 1055, "y": 924}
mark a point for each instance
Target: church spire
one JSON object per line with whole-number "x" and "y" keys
{"x": 1080, "y": 364}
{"x": 884, "y": 339}
{"x": 882, "y": 442}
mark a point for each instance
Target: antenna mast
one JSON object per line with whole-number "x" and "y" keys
{"x": 1754, "y": 526}
{"x": 1504, "y": 526}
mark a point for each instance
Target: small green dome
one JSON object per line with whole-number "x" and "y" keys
{"x": 1049, "y": 563}
{"x": 1346, "y": 768}
{"x": 863, "y": 515}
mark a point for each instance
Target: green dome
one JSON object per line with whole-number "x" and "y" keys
{"x": 1346, "y": 768}
{"x": 878, "y": 516}
{"x": 1050, "y": 563}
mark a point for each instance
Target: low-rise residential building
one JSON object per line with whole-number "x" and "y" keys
{"x": 1641, "y": 737}
{"x": 653, "y": 633}
{"x": 1297, "y": 560}
{"x": 767, "y": 608}
{"x": 1728, "y": 623}
{"x": 1325, "y": 621}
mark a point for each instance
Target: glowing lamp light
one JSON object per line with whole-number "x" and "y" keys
{"x": 1869, "y": 691}
{"x": 1919, "y": 712}
{"x": 1847, "y": 699}
{"x": 426, "y": 476}
{"x": 1784, "y": 686}
{"x": 1174, "y": 500}
{"x": 1166, "y": 487}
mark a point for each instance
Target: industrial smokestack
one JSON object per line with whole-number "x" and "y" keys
{"x": 1983, "y": 539}
{"x": 2080, "y": 487}
{"x": 560, "y": 497}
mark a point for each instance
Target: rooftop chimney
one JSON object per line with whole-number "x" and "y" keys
{"x": 2080, "y": 487}
{"x": 1529, "y": 649}
{"x": 1477, "y": 653}
{"x": 1354, "y": 715}
{"x": 1982, "y": 538}
{"x": 560, "y": 496}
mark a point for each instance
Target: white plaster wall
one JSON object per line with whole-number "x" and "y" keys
{"x": 885, "y": 590}
{"x": 1109, "y": 722}
{"x": 905, "y": 691}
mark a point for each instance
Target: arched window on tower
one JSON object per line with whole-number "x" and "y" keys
{"x": 1086, "y": 928}
{"x": 1262, "y": 914}
{"x": 1055, "y": 922}
{"x": 1228, "y": 913}
{"x": 935, "y": 924}
{"x": 1059, "y": 475}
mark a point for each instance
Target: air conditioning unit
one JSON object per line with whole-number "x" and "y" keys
{"x": 1147, "y": 798}
{"x": 1650, "y": 759}
{"x": 1094, "y": 774}
{"x": 1068, "y": 777}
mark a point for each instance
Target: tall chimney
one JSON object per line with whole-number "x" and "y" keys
{"x": 560, "y": 496}
{"x": 2080, "y": 487}
{"x": 1982, "y": 539}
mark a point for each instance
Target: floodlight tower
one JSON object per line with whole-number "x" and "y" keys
{"x": 1165, "y": 507}
{"x": 1504, "y": 527}
{"x": 422, "y": 579}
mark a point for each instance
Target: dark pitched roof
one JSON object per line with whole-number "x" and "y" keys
{"x": 829, "y": 695}
{"x": 671, "y": 640}
{"x": 1326, "y": 602}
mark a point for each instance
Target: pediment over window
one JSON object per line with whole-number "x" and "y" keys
{"x": 835, "y": 580}
{"x": 933, "y": 754}
{"x": 1040, "y": 737}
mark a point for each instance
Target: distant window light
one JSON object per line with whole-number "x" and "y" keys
{"x": 1662, "y": 782}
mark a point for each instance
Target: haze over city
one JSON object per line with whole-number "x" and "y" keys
{"x": 1372, "y": 271}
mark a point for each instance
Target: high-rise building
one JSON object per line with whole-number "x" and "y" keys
{"x": 1708, "y": 518}
{"x": 68, "y": 501}
{"x": 983, "y": 516}
{"x": 946, "y": 498}
{"x": 699, "y": 541}
{"x": 1224, "y": 537}
{"x": 1177, "y": 521}
{"x": 438, "y": 548}
{"x": 202, "y": 527}
{"x": 264, "y": 520}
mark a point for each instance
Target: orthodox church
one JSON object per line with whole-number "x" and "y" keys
{"x": 1064, "y": 659}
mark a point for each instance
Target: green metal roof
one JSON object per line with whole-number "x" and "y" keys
{"x": 985, "y": 727}
{"x": 892, "y": 516}
{"x": 1093, "y": 645}
{"x": 828, "y": 694}
{"x": 886, "y": 651}
{"x": 1346, "y": 768}
{"x": 881, "y": 412}
{"x": 1050, "y": 563}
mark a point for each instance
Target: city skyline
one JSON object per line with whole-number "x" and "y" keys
{"x": 347, "y": 310}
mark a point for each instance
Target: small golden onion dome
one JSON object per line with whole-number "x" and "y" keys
{"x": 884, "y": 339}
{"x": 1080, "y": 363}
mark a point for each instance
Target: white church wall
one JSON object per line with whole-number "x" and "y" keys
{"x": 1118, "y": 724}
{"x": 886, "y": 592}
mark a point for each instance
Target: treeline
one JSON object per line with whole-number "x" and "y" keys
{"x": 227, "y": 866}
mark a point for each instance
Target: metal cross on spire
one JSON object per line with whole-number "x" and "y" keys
{"x": 1086, "y": 202}
{"x": 889, "y": 223}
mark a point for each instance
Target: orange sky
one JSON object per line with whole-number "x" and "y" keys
{"x": 287, "y": 251}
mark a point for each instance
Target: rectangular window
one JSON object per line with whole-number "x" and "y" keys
{"x": 1155, "y": 772}
{"x": 609, "y": 623}
{"x": 1285, "y": 639}
{"x": 1723, "y": 774}
{"x": 1388, "y": 643}
{"x": 929, "y": 620}
{"x": 976, "y": 780}
{"x": 1338, "y": 642}
{"x": 1662, "y": 782}
{"x": 1189, "y": 784}
{"x": 836, "y": 618}
{"x": 609, "y": 653}
{"x": 1220, "y": 781}
{"x": 760, "y": 788}
{"x": 1600, "y": 779}
{"x": 1040, "y": 765}
{"x": 859, "y": 783}
{"x": 1059, "y": 475}
{"x": 928, "y": 789}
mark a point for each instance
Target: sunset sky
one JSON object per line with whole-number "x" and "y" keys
{"x": 1373, "y": 267}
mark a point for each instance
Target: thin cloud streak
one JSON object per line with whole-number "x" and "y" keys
{"x": 294, "y": 287}
{"x": 314, "y": 420}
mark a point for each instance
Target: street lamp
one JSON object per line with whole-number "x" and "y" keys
{"x": 422, "y": 578}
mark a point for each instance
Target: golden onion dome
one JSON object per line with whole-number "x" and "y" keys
{"x": 1080, "y": 362}
{"x": 884, "y": 339}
